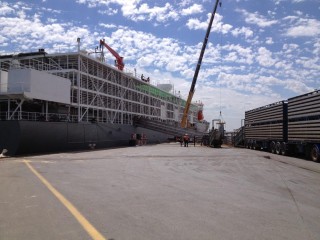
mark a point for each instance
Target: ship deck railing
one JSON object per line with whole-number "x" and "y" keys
{"x": 37, "y": 116}
{"x": 53, "y": 117}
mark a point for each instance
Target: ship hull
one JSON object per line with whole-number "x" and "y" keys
{"x": 27, "y": 137}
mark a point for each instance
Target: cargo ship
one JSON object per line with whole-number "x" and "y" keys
{"x": 75, "y": 100}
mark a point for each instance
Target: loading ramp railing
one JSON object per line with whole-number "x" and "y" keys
{"x": 159, "y": 126}
{"x": 239, "y": 137}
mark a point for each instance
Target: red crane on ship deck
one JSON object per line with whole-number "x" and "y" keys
{"x": 119, "y": 60}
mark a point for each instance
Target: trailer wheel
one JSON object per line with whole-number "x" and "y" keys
{"x": 315, "y": 153}
{"x": 278, "y": 148}
{"x": 255, "y": 145}
{"x": 273, "y": 147}
{"x": 284, "y": 151}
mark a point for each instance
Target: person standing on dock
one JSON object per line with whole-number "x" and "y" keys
{"x": 186, "y": 140}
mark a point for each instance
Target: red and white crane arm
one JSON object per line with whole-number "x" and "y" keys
{"x": 119, "y": 59}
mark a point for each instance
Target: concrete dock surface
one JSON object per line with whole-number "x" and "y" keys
{"x": 157, "y": 192}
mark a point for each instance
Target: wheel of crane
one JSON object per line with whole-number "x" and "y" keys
{"x": 315, "y": 153}
{"x": 273, "y": 147}
{"x": 278, "y": 148}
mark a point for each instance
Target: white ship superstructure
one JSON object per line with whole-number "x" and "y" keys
{"x": 95, "y": 91}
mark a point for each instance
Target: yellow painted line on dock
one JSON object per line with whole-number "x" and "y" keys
{"x": 91, "y": 230}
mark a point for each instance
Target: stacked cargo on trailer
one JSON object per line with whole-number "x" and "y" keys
{"x": 286, "y": 127}
{"x": 304, "y": 125}
{"x": 266, "y": 127}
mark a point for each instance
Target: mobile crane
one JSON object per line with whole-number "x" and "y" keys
{"x": 192, "y": 89}
{"x": 119, "y": 60}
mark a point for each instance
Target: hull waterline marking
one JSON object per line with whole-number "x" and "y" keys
{"x": 91, "y": 230}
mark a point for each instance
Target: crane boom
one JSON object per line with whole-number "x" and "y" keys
{"x": 119, "y": 60}
{"x": 191, "y": 92}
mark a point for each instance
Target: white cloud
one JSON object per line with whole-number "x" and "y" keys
{"x": 195, "y": 8}
{"x": 52, "y": 20}
{"x": 135, "y": 11}
{"x": 50, "y": 10}
{"x": 247, "y": 32}
{"x": 33, "y": 34}
{"x": 161, "y": 14}
{"x": 109, "y": 12}
{"x": 3, "y": 39}
{"x": 196, "y": 24}
{"x": 264, "y": 57}
{"x": 269, "y": 40}
{"x": 256, "y": 19}
{"x": 244, "y": 83}
{"x": 289, "y": 48}
{"x": 291, "y": 18}
{"x": 277, "y": 2}
{"x": 269, "y": 80}
{"x": 238, "y": 54}
{"x": 283, "y": 65}
{"x": 5, "y": 9}
{"x": 107, "y": 25}
{"x": 297, "y": 86}
{"x": 304, "y": 28}
{"x": 299, "y": 13}
{"x": 184, "y": 3}
{"x": 217, "y": 25}
{"x": 309, "y": 63}
{"x": 316, "y": 46}
{"x": 146, "y": 60}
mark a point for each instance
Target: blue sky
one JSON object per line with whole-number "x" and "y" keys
{"x": 259, "y": 52}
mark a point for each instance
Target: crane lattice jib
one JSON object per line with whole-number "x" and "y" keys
{"x": 186, "y": 109}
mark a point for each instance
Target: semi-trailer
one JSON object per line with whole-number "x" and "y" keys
{"x": 286, "y": 127}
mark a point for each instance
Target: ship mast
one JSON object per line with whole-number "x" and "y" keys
{"x": 192, "y": 89}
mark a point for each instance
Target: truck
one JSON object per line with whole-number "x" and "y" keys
{"x": 286, "y": 127}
